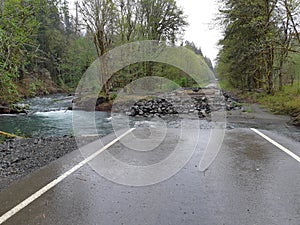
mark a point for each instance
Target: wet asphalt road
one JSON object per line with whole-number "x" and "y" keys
{"x": 250, "y": 182}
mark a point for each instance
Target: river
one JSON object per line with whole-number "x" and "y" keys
{"x": 48, "y": 116}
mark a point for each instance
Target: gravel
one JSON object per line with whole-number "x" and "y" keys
{"x": 21, "y": 157}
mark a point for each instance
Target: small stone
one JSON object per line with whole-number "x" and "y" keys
{"x": 230, "y": 127}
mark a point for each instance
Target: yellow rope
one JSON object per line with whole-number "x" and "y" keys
{"x": 9, "y": 135}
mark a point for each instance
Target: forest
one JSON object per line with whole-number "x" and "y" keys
{"x": 260, "y": 48}
{"x": 46, "y": 46}
{"x": 260, "y": 51}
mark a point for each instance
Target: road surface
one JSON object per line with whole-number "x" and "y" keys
{"x": 252, "y": 181}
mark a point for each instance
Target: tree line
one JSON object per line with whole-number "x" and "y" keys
{"x": 260, "y": 48}
{"x": 44, "y": 34}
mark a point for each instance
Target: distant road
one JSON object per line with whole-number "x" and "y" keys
{"x": 252, "y": 181}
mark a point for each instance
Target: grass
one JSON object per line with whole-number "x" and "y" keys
{"x": 286, "y": 101}
{"x": 248, "y": 111}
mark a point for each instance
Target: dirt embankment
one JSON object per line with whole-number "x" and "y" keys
{"x": 38, "y": 83}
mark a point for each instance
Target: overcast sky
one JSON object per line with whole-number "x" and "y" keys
{"x": 201, "y": 29}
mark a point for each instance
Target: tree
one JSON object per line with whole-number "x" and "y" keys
{"x": 76, "y": 60}
{"x": 67, "y": 18}
{"x": 287, "y": 12}
{"x": 161, "y": 20}
{"x": 127, "y": 20}
{"x": 51, "y": 37}
{"x": 193, "y": 47}
{"x": 114, "y": 22}
{"x": 99, "y": 19}
{"x": 249, "y": 43}
{"x": 17, "y": 25}
{"x": 259, "y": 35}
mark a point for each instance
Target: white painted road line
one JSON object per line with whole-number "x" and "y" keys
{"x": 52, "y": 184}
{"x": 293, "y": 155}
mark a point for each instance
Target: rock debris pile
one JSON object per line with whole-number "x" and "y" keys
{"x": 171, "y": 105}
{"x": 231, "y": 102}
{"x": 201, "y": 102}
{"x": 153, "y": 107}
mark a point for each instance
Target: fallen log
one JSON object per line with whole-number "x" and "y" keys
{"x": 9, "y": 135}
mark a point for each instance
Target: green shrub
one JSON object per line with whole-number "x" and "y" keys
{"x": 286, "y": 101}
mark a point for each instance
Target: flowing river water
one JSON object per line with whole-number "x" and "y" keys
{"x": 48, "y": 116}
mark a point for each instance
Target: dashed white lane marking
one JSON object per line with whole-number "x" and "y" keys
{"x": 293, "y": 155}
{"x": 52, "y": 184}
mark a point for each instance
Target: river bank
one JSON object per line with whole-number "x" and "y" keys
{"x": 36, "y": 84}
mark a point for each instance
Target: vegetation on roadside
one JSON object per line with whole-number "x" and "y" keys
{"x": 260, "y": 52}
{"x": 286, "y": 101}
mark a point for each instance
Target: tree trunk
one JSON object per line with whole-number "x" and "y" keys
{"x": 269, "y": 69}
{"x": 280, "y": 82}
